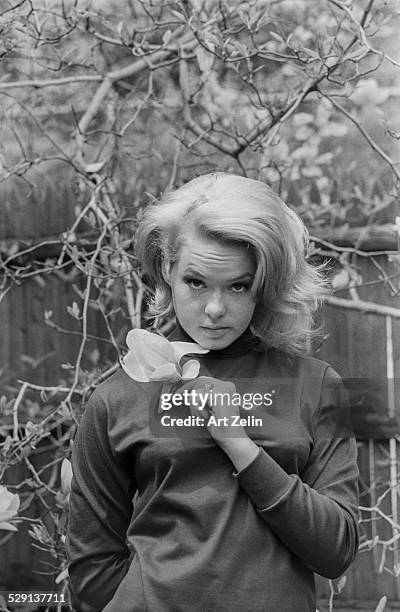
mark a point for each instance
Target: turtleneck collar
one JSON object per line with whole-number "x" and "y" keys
{"x": 246, "y": 342}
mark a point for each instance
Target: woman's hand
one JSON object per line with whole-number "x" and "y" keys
{"x": 221, "y": 417}
{"x": 211, "y": 400}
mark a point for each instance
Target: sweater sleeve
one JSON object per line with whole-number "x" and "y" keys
{"x": 100, "y": 509}
{"x": 316, "y": 515}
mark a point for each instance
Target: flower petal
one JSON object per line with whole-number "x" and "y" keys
{"x": 7, "y": 515}
{"x": 5, "y": 497}
{"x": 183, "y": 348}
{"x": 8, "y": 501}
{"x": 190, "y": 369}
{"x": 131, "y": 365}
{"x": 8, "y": 527}
{"x": 166, "y": 372}
{"x": 14, "y": 504}
{"x": 150, "y": 349}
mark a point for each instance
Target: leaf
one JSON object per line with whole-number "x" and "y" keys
{"x": 6, "y": 445}
{"x": 277, "y": 36}
{"x": 340, "y": 584}
{"x": 95, "y": 167}
{"x": 166, "y": 37}
{"x": 30, "y": 428}
{"x": 28, "y": 359}
{"x": 78, "y": 291}
{"x": 125, "y": 244}
{"x": 62, "y": 576}
{"x": 74, "y": 310}
{"x": 40, "y": 281}
{"x": 13, "y": 249}
{"x": 381, "y": 605}
{"x": 178, "y": 16}
{"x": 123, "y": 33}
{"x": 340, "y": 280}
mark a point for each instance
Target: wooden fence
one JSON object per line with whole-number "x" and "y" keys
{"x": 367, "y": 347}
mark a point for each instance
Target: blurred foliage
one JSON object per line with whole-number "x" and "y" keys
{"x": 265, "y": 88}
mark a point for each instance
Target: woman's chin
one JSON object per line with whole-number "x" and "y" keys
{"x": 216, "y": 343}
{"x": 214, "y": 346}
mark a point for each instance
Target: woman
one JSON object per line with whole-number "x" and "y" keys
{"x": 226, "y": 512}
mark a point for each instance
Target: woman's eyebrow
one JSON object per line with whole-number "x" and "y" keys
{"x": 242, "y": 277}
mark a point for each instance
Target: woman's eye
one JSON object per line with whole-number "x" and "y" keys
{"x": 239, "y": 287}
{"x": 194, "y": 283}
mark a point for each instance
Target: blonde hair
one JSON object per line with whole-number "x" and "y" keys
{"x": 234, "y": 209}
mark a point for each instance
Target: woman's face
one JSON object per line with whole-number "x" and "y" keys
{"x": 210, "y": 286}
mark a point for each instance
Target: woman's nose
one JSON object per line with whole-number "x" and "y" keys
{"x": 215, "y": 307}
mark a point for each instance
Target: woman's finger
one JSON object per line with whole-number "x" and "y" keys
{"x": 198, "y": 395}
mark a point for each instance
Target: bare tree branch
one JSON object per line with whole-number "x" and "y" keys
{"x": 367, "y": 136}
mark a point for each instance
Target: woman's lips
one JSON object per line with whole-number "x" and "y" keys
{"x": 214, "y": 331}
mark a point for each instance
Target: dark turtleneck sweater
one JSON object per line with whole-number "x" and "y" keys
{"x": 160, "y": 521}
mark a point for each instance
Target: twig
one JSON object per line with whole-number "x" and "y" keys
{"x": 278, "y": 120}
{"x": 385, "y": 278}
{"x": 15, "y": 410}
{"x": 374, "y": 145}
{"x": 72, "y": 229}
{"x": 175, "y": 160}
{"x": 38, "y": 83}
{"x": 130, "y": 70}
{"x": 139, "y": 300}
{"x": 362, "y": 34}
{"x": 362, "y": 306}
{"x": 84, "y": 314}
{"x": 352, "y": 235}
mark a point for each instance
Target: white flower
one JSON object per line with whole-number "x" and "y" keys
{"x": 154, "y": 358}
{"x": 9, "y": 505}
